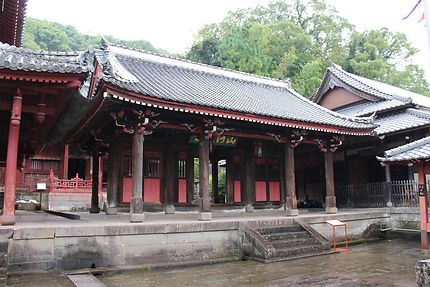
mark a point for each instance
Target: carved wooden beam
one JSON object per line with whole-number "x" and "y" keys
{"x": 330, "y": 145}
{"x": 214, "y": 128}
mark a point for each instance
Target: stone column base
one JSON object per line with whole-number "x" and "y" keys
{"x": 94, "y": 209}
{"x": 249, "y": 208}
{"x": 169, "y": 209}
{"x": 136, "y": 205}
{"x": 331, "y": 210}
{"x": 7, "y": 219}
{"x": 205, "y": 216}
{"x": 137, "y": 217}
{"x": 292, "y": 212}
{"x": 111, "y": 210}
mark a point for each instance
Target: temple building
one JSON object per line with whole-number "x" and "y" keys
{"x": 401, "y": 116}
{"x": 154, "y": 116}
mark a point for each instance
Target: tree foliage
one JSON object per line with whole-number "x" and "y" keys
{"x": 46, "y": 35}
{"x": 297, "y": 40}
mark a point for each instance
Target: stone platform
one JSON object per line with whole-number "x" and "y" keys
{"x": 40, "y": 241}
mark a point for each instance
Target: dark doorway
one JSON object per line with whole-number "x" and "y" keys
{"x": 76, "y": 166}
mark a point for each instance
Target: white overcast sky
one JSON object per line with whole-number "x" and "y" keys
{"x": 172, "y": 24}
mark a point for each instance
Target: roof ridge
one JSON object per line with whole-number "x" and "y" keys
{"x": 7, "y": 47}
{"x": 406, "y": 147}
{"x": 285, "y": 84}
{"x": 341, "y": 70}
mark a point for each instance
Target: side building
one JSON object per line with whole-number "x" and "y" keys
{"x": 402, "y": 117}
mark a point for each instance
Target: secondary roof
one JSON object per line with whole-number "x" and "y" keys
{"x": 414, "y": 151}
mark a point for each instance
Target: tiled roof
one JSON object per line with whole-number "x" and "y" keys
{"x": 417, "y": 150}
{"x": 401, "y": 120}
{"x": 14, "y": 58}
{"x": 379, "y": 90}
{"x": 186, "y": 82}
{"x": 368, "y": 108}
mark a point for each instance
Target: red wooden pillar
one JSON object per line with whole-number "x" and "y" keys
{"x": 205, "y": 203}
{"x": 136, "y": 203}
{"x": 329, "y": 183}
{"x": 8, "y": 217}
{"x": 424, "y": 202}
{"x": 290, "y": 181}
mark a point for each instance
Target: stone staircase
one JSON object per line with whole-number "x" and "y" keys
{"x": 279, "y": 243}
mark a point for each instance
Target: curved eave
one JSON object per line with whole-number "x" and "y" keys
{"x": 42, "y": 77}
{"x": 394, "y": 161}
{"x": 135, "y": 98}
{"x": 92, "y": 111}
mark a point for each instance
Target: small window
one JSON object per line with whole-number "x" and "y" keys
{"x": 44, "y": 164}
{"x": 152, "y": 167}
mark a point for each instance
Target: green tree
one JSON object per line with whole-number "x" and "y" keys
{"x": 297, "y": 40}
{"x": 52, "y": 36}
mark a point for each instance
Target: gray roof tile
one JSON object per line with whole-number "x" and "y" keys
{"x": 417, "y": 150}
{"x": 401, "y": 120}
{"x": 368, "y": 108}
{"x": 14, "y": 58}
{"x": 202, "y": 85}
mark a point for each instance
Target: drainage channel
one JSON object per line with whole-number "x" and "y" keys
{"x": 85, "y": 280}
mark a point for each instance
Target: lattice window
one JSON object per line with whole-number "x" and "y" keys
{"x": 37, "y": 164}
{"x": 182, "y": 168}
{"x": 151, "y": 167}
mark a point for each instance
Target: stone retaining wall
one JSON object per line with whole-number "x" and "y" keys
{"x": 155, "y": 244}
{"x": 112, "y": 246}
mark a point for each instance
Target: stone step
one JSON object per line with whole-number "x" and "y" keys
{"x": 298, "y": 251}
{"x": 280, "y": 244}
{"x": 287, "y": 235}
{"x": 85, "y": 280}
{"x": 280, "y": 229}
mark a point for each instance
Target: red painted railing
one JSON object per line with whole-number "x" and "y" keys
{"x": 76, "y": 184}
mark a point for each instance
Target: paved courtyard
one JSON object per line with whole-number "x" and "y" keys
{"x": 385, "y": 263}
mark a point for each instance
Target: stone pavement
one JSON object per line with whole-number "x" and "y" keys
{"x": 386, "y": 263}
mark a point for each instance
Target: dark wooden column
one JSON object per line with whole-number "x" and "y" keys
{"x": 136, "y": 203}
{"x": 204, "y": 204}
{"x": 215, "y": 191}
{"x": 329, "y": 183}
{"x": 230, "y": 180}
{"x": 95, "y": 184}
{"x": 8, "y": 216}
{"x": 114, "y": 172}
{"x": 249, "y": 179}
{"x": 190, "y": 177}
{"x": 290, "y": 181}
{"x": 170, "y": 170}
